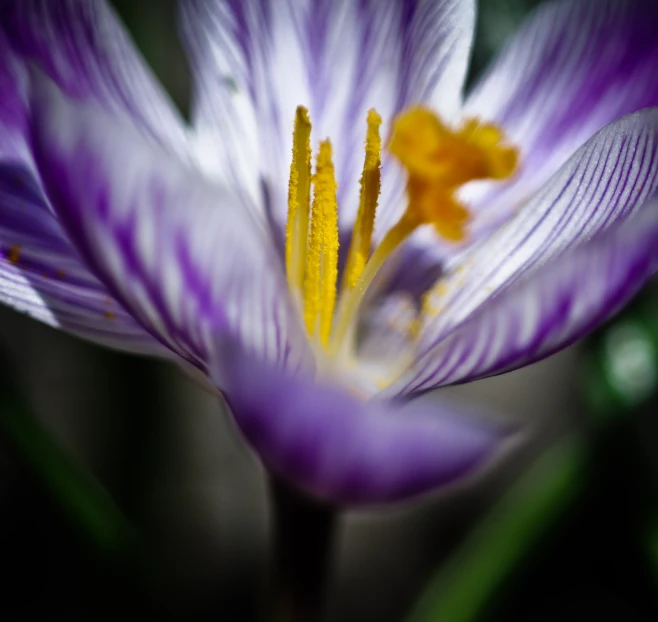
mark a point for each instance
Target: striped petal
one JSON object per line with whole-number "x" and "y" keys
{"x": 607, "y": 179}
{"x": 84, "y": 49}
{"x": 171, "y": 247}
{"x": 255, "y": 62}
{"x": 575, "y": 66}
{"x": 13, "y": 81}
{"x": 340, "y": 449}
{"x": 552, "y": 306}
{"x": 42, "y": 275}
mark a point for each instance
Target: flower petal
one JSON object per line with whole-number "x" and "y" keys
{"x": 413, "y": 270}
{"x": 173, "y": 248}
{"x": 341, "y": 449}
{"x": 82, "y": 46}
{"x": 575, "y": 66}
{"x": 13, "y": 81}
{"x": 255, "y": 62}
{"x": 550, "y": 307}
{"x": 42, "y": 275}
{"x": 608, "y": 178}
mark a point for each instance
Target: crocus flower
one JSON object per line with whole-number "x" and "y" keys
{"x": 318, "y": 280}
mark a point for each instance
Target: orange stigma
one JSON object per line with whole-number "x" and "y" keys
{"x": 439, "y": 160}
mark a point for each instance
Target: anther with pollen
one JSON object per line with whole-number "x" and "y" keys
{"x": 438, "y": 161}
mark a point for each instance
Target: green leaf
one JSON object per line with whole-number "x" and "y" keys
{"x": 85, "y": 500}
{"x": 461, "y": 589}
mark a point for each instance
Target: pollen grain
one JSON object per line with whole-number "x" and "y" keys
{"x": 299, "y": 200}
{"x": 14, "y": 254}
{"x": 322, "y": 254}
{"x": 370, "y": 188}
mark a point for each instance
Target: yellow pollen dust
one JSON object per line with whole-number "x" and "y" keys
{"x": 299, "y": 198}
{"x": 322, "y": 254}
{"x": 14, "y": 254}
{"x": 439, "y": 160}
{"x": 370, "y": 187}
{"x": 312, "y": 230}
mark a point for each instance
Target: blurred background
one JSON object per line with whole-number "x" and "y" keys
{"x": 125, "y": 490}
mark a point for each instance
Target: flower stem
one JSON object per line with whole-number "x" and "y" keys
{"x": 303, "y": 532}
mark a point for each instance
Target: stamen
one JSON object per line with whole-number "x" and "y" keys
{"x": 353, "y": 298}
{"x": 299, "y": 200}
{"x": 438, "y": 160}
{"x": 365, "y": 219}
{"x": 322, "y": 257}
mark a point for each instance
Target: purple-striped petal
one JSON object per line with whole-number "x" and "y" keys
{"x": 256, "y": 61}
{"x": 84, "y": 49}
{"x": 608, "y": 178}
{"x": 575, "y": 66}
{"x": 338, "y": 448}
{"x": 42, "y": 275}
{"x": 171, "y": 247}
{"x": 13, "y": 81}
{"x": 552, "y": 306}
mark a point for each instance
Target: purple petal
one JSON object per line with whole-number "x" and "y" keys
{"x": 552, "y": 306}
{"x": 175, "y": 250}
{"x": 576, "y": 66}
{"x": 82, "y": 46}
{"x": 338, "y": 448}
{"x": 255, "y": 62}
{"x": 414, "y": 270}
{"x": 607, "y": 179}
{"x": 13, "y": 81}
{"x": 42, "y": 275}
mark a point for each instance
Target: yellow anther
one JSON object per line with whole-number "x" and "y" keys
{"x": 439, "y": 160}
{"x": 299, "y": 200}
{"x": 365, "y": 219}
{"x": 322, "y": 255}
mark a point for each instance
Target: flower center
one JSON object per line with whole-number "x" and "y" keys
{"x": 438, "y": 161}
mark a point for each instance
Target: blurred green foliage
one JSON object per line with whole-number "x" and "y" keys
{"x": 497, "y": 20}
{"x": 463, "y": 587}
{"x": 620, "y": 366}
{"x": 85, "y": 500}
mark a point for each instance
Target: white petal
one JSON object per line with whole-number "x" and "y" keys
{"x": 550, "y": 307}
{"x": 574, "y": 67}
{"x": 82, "y": 46}
{"x": 257, "y": 61}
{"x": 176, "y": 251}
{"x": 607, "y": 179}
